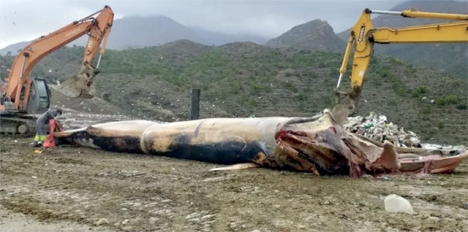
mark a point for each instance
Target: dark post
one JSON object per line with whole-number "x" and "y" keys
{"x": 195, "y": 104}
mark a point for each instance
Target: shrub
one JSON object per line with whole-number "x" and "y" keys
{"x": 440, "y": 125}
{"x": 447, "y": 100}
{"x": 426, "y": 109}
{"x": 106, "y": 96}
{"x": 461, "y": 106}
{"x": 419, "y": 91}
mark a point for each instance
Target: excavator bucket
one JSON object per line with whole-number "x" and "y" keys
{"x": 340, "y": 108}
{"x": 341, "y": 112}
{"x": 77, "y": 87}
{"x": 80, "y": 85}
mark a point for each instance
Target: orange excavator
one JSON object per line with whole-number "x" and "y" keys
{"x": 23, "y": 95}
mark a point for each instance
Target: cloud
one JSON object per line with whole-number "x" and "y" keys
{"x": 27, "y": 19}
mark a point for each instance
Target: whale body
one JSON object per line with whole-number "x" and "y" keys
{"x": 318, "y": 144}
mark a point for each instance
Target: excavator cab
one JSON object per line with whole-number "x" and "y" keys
{"x": 38, "y": 100}
{"x": 21, "y": 121}
{"x": 39, "y": 97}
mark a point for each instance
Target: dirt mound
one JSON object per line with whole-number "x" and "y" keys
{"x": 95, "y": 105}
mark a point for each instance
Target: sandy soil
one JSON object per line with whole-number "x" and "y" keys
{"x": 17, "y": 222}
{"x": 83, "y": 189}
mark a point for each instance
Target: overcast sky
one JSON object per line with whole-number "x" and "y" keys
{"x": 23, "y": 20}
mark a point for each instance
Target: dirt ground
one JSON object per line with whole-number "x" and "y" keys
{"x": 79, "y": 189}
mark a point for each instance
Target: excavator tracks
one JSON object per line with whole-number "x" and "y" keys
{"x": 17, "y": 125}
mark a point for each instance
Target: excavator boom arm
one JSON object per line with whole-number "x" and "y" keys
{"x": 412, "y": 13}
{"x": 98, "y": 36}
{"x": 364, "y": 36}
{"x": 455, "y": 32}
{"x": 18, "y": 82}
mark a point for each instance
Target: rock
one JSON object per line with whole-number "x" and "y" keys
{"x": 207, "y": 216}
{"x": 194, "y": 220}
{"x": 102, "y": 221}
{"x": 300, "y": 226}
{"x": 464, "y": 205}
{"x": 212, "y": 179}
{"x": 153, "y": 220}
{"x": 415, "y": 141}
{"x": 395, "y": 203}
{"x": 127, "y": 228}
{"x": 192, "y": 215}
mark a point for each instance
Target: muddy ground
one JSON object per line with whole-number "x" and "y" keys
{"x": 78, "y": 189}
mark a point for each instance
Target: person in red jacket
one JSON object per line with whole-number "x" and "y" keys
{"x": 41, "y": 125}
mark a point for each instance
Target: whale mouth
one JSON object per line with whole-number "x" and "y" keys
{"x": 313, "y": 144}
{"x": 328, "y": 152}
{"x": 322, "y": 152}
{"x": 322, "y": 146}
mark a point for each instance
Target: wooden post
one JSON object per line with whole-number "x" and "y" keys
{"x": 195, "y": 104}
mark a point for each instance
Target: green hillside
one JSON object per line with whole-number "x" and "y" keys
{"x": 239, "y": 79}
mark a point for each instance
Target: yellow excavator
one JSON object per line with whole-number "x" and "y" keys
{"x": 23, "y": 95}
{"x": 363, "y": 37}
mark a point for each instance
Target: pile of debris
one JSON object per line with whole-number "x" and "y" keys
{"x": 378, "y": 128}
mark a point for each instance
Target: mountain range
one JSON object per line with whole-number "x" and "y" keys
{"x": 138, "y": 32}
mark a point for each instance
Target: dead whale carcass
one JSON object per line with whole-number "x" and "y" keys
{"x": 317, "y": 144}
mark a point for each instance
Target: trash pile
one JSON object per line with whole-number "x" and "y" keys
{"x": 377, "y": 127}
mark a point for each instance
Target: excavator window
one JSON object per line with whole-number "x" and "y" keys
{"x": 32, "y": 93}
{"x": 42, "y": 89}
